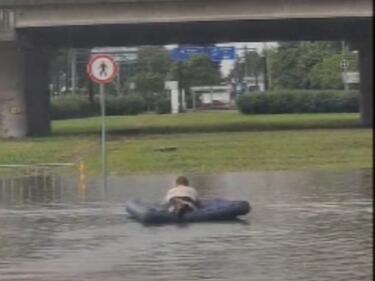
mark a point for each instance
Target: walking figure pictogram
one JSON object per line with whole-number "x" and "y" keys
{"x": 103, "y": 69}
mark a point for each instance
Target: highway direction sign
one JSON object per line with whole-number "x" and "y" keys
{"x": 216, "y": 54}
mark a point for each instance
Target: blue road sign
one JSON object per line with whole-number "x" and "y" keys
{"x": 216, "y": 54}
{"x": 184, "y": 53}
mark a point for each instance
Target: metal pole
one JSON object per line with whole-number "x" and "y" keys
{"x": 104, "y": 155}
{"x": 194, "y": 101}
{"x": 268, "y": 67}
{"x": 118, "y": 81}
{"x": 346, "y": 88}
{"x": 74, "y": 70}
{"x": 246, "y": 74}
{"x": 179, "y": 73}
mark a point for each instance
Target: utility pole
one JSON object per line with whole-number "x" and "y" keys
{"x": 267, "y": 67}
{"x": 73, "y": 67}
{"x": 179, "y": 74}
{"x": 245, "y": 70}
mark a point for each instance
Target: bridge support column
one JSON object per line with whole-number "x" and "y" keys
{"x": 36, "y": 88}
{"x": 13, "y": 120}
{"x": 366, "y": 82}
{"x": 24, "y": 92}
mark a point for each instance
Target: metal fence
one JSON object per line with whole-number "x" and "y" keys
{"x": 40, "y": 183}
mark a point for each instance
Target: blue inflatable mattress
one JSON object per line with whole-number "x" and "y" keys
{"x": 209, "y": 210}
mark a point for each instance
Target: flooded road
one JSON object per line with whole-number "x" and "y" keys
{"x": 303, "y": 226}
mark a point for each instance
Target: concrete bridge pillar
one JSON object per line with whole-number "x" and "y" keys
{"x": 366, "y": 82}
{"x": 13, "y": 120}
{"x": 24, "y": 92}
{"x": 36, "y": 88}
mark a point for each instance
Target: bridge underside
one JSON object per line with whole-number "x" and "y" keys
{"x": 30, "y": 55}
{"x": 351, "y": 29}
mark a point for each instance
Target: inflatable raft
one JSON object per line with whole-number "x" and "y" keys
{"x": 210, "y": 210}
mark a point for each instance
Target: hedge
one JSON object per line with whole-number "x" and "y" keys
{"x": 77, "y": 106}
{"x": 125, "y": 105}
{"x": 72, "y": 106}
{"x": 163, "y": 106}
{"x": 304, "y": 101}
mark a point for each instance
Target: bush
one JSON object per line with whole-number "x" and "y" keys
{"x": 76, "y": 106}
{"x": 71, "y": 106}
{"x": 125, "y": 105}
{"x": 350, "y": 102}
{"x": 163, "y": 106}
{"x": 304, "y": 101}
{"x": 249, "y": 104}
{"x": 327, "y": 102}
{"x": 134, "y": 104}
{"x": 114, "y": 105}
{"x": 280, "y": 103}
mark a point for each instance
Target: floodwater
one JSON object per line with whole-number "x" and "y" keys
{"x": 303, "y": 226}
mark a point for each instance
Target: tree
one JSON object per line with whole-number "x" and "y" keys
{"x": 327, "y": 74}
{"x": 83, "y": 80}
{"x": 151, "y": 71}
{"x": 292, "y": 63}
{"x": 197, "y": 71}
{"x": 61, "y": 65}
{"x": 153, "y": 59}
{"x": 59, "y": 70}
{"x": 252, "y": 64}
{"x": 202, "y": 71}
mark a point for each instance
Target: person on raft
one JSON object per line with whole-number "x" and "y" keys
{"x": 182, "y": 198}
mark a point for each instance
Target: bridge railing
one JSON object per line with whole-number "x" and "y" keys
{"x": 7, "y": 24}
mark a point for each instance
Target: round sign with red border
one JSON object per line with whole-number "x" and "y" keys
{"x": 102, "y": 69}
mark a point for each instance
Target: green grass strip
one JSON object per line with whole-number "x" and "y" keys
{"x": 203, "y": 122}
{"x": 334, "y": 149}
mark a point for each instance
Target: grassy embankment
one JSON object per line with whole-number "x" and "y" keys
{"x": 204, "y": 142}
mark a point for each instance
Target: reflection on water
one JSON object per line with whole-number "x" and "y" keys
{"x": 303, "y": 226}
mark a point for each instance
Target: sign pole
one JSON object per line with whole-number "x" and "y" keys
{"x": 104, "y": 152}
{"x": 102, "y": 69}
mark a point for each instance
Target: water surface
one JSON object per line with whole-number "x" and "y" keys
{"x": 303, "y": 226}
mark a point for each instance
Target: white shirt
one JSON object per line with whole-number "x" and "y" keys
{"x": 182, "y": 191}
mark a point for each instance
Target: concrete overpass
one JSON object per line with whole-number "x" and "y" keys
{"x": 31, "y": 29}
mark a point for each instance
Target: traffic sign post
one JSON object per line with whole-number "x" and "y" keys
{"x": 102, "y": 69}
{"x": 351, "y": 77}
{"x": 344, "y": 64}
